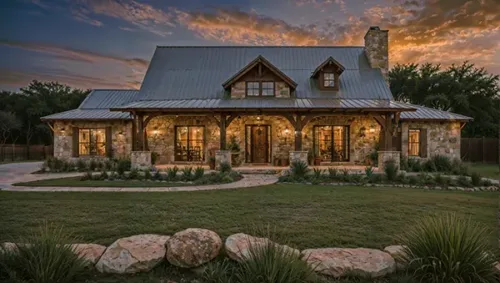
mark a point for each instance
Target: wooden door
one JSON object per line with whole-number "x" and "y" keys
{"x": 259, "y": 144}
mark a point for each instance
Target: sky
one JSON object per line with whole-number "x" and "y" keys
{"x": 108, "y": 43}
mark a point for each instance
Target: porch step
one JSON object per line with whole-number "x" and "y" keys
{"x": 258, "y": 171}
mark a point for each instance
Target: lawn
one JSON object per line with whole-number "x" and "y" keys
{"x": 306, "y": 216}
{"x": 486, "y": 170}
{"x": 76, "y": 182}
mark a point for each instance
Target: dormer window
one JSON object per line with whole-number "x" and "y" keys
{"x": 260, "y": 88}
{"x": 328, "y": 79}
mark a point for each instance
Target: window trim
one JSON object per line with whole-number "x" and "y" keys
{"x": 329, "y": 80}
{"x": 418, "y": 144}
{"x": 90, "y": 142}
{"x": 260, "y": 88}
{"x": 203, "y": 157}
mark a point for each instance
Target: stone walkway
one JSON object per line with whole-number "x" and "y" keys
{"x": 21, "y": 172}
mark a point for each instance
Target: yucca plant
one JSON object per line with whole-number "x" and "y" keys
{"x": 187, "y": 173}
{"x": 368, "y": 171}
{"x": 219, "y": 271}
{"x": 333, "y": 172}
{"x": 172, "y": 172}
{"x": 270, "y": 263}
{"x": 448, "y": 248}
{"x": 199, "y": 172}
{"x": 43, "y": 259}
{"x": 317, "y": 173}
{"x": 299, "y": 169}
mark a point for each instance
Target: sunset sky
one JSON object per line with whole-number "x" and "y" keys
{"x": 108, "y": 43}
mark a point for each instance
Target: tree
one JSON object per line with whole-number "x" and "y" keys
{"x": 8, "y": 124}
{"x": 463, "y": 89}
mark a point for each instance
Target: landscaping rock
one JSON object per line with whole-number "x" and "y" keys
{"x": 193, "y": 247}
{"x": 338, "y": 262}
{"x": 496, "y": 267}
{"x": 397, "y": 252}
{"x": 237, "y": 246}
{"x": 133, "y": 254}
{"x": 8, "y": 246}
{"x": 90, "y": 252}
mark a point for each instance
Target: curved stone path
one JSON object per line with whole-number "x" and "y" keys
{"x": 21, "y": 172}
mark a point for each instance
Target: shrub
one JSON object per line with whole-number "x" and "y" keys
{"x": 333, "y": 172}
{"x": 458, "y": 167}
{"x": 199, "y": 172}
{"x": 442, "y": 163}
{"x": 44, "y": 260}
{"x": 87, "y": 176}
{"x": 157, "y": 175}
{"x": 123, "y": 165}
{"x": 413, "y": 180}
{"x": 401, "y": 177}
{"x": 187, "y": 173}
{"x": 475, "y": 179}
{"x": 463, "y": 181}
{"x": 414, "y": 165}
{"x": 172, "y": 173}
{"x": 154, "y": 157}
{"x": 225, "y": 167}
{"x": 487, "y": 183}
{"x": 368, "y": 171}
{"x": 448, "y": 249}
{"x": 134, "y": 174}
{"x": 375, "y": 179}
{"x": 147, "y": 174}
{"x": 104, "y": 175}
{"x": 299, "y": 169}
{"x": 429, "y": 166}
{"x": 226, "y": 178}
{"x": 269, "y": 263}
{"x": 92, "y": 165}
{"x": 391, "y": 169}
{"x": 356, "y": 178}
{"x": 317, "y": 173}
{"x": 81, "y": 165}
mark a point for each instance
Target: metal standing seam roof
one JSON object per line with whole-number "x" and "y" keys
{"x": 262, "y": 103}
{"x": 199, "y": 72}
{"x": 426, "y": 113}
{"x": 96, "y": 106}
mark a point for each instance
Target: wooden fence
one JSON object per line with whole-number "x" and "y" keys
{"x": 483, "y": 150}
{"x": 16, "y": 152}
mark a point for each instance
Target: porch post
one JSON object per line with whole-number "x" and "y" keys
{"x": 134, "y": 132}
{"x": 388, "y": 133}
{"x": 140, "y": 132}
{"x": 298, "y": 133}
{"x": 222, "y": 128}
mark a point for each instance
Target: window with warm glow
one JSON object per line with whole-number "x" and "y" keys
{"x": 92, "y": 142}
{"x": 189, "y": 143}
{"x": 328, "y": 80}
{"x": 414, "y": 142}
{"x": 331, "y": 143}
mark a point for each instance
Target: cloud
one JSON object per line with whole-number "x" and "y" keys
{"x": 72, "y": 54}
{"x": 82, "y": 15}
{"x": 141, "y": 15}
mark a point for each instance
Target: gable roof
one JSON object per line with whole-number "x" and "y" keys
{"x": 251, "y": 65}
{"x": 96, "y": 106}
{"x": 198, "y": 72}
{"x": 328, "y": 61}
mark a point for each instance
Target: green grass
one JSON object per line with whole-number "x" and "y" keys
{"x": 486, "y": 170}
{"x": 307, "y": 216}
{"x": 76, "y": 182}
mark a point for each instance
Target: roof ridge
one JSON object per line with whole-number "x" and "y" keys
{"x": 116, "y": 89}
{"x": 259, "y": 46}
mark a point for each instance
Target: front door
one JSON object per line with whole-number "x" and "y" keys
{"x": 258, "y": 143}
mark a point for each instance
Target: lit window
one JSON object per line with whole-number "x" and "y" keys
{"x": 92, "y": 142}
{"x": 414, "y": 142}
{"x": 268, "y": 89}
{"x": 189, "y": 143}
{"x": 252, "y": 88}
{"x": 328, "y": 80}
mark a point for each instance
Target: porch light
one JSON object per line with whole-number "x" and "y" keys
{"x": 258, "y": 118}
{"x": 362, "y": 132}
{"x": 287, "y": 131}
{"x": 63, "y": 130}
{"x": 372, "y": 129}
{"x": 155, "y": 131}
{"x": 120, "y": 133}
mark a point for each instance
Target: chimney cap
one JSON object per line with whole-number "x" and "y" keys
{"x": 375, "y": 29}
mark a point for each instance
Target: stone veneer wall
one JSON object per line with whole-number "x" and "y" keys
{"x": 443, "y": 138}
{"x": 163, "y": 142}
{"x": 360, "y": 147}
{"x": 63, "y": 140}
{"x": 377, "y": 48}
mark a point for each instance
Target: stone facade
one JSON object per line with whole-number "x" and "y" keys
{"x": 121, "y": 132}
{"x": 364, "y": 135}
{"x": 238, "y": 90}
{"x": 298, "y": 156}
{"x": 222, "y": 156}
{"x": 377, "y": 48}
{"x": 443, "y": 138}
{"x": 281, "y": 89}
{"x": 384, "y": 156}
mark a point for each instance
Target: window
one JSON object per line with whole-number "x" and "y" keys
{"x": 92, "y": 142}
{"x": 268, "y": 89}
{"x": 189, "y": 143}
{"x": 328, "y": 80}
{"x": 260, "y": 88}
{"x": 331, "y": 143}
{"x": 414, "y": 142}
{"x": 253, "y": 89}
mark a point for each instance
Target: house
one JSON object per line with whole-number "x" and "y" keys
{"x": 273, "y": 103}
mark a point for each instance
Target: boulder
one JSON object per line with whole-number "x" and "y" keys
{"x": 397, "y": 252}
{"x": 90, "y": 252}
{"x": 8, "y": 247}
{"x": 193, "y": 247}
{"x": 237, "y": 246}
{"x": 139, "y": 253}
{"x": 496, "y": 267}
{"x": 338, "y": 262}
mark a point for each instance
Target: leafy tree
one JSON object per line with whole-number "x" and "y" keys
{"x": 8, "y": 124}
{"x": 463, "y": 89}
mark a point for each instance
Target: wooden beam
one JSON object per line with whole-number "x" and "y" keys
{"x": 222, "y": 129}
{"x": 388, "y": 133}
{"x": 134, "y": 132}
{"x": 298, "y": 133}
{"x": 380, "y": 120}
{"x": 140, "y": 131}
{"x": 51, "y": 127}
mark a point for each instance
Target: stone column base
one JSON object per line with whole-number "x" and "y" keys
{"x": 384, "y": 156}
{"x": 298, "y": 156}
{"x": 140, "y": 160}
{"x": 222, "y": 156}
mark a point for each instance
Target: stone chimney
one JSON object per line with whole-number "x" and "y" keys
{"x": 377, "y": 48}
